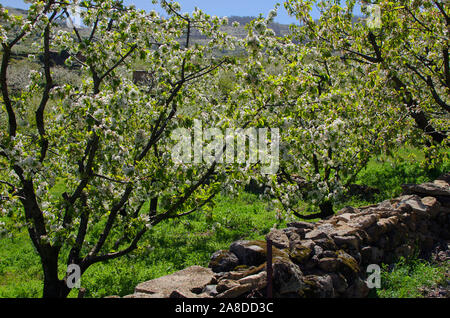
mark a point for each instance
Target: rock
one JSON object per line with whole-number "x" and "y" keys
{"x": 182, "y": 294}
{"x": 311, "y": 263}
{"x": 358, "y": 289}
{"x": 321, "y": 231}
{"x": 279, "y": 238}
{"x": 249, "y": 252}
{"x": 339, "y": 283}
{"x": 301, "y": 225}
{"x": 328, "y": 264}
{"x": 385, "y": 225}
{"x": 236, "y": 291}
{"x": 294, "y": 235}
{"x": 145, "y": 295}
{"x": 328, "y": 254}
{"x": 226, "y": 284}
{"x": 346, "y": 217}
{"x": 372, "y": 255}
{"x": 210, "y": 290}
{"x": 433, "y": 206}
{"x": 415, "y": 202}
{"x": 287, "y": 277}
{"x": 427, "y": 189}
{"x": 223, "y": 261}
{"x": 191, "y": 278}
{"x": 348, "y": 210}
{"x": 318, "y": 251}
{"x": 257, "y": 281}
{"x": 347, "y": 241}
{"x": 445, "y": 177}
{"x": 344, "y": 230}
{"x": 318, "y": 287}
{"x": 348, "y": 265}
{"x": 300, "y": 254}
{"x": 364, "y": 221}
{"x": 233, "y": 275}
{"x": 326, "y": 243}
{"x": 441, "y": 183}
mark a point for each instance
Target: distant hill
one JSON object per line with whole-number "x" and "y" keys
{"x": 279, "y": 29}
{"x": 16, "y": 11}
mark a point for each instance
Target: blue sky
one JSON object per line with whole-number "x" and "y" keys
{"x": 213, "y": 7}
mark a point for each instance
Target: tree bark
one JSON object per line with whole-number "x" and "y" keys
{"x": 53, "y": 286}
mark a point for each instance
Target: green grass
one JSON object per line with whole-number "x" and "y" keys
{"x": 388, "y": 173}
{"x": 408, "y": 277}
{"x": 168, "y": 247}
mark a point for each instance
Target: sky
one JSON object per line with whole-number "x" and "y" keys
{"x": 213, "y": 7}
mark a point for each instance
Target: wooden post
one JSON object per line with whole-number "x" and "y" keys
{"x": 269, "y": 269}
{"x": 81, "y": 293}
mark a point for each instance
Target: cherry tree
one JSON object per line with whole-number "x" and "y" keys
{"x": 108, "y": 139}
{"x": 333, "y": 114}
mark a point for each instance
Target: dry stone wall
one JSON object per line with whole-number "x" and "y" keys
{"x": 326, "y": 259}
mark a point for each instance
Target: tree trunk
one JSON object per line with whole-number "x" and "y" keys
{"x": 326, "y": 209}
{"x": 55, "y": 289}
{"x": 53, "y": 286}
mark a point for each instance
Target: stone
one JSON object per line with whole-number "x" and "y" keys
{"x": 358, "y": 289}
{"x": 348, "y": 210}
{"x": 415, "y": 202}
{"x": 347, "y": 241}
{"x": 210, "y": 290}
{"x": 294, "y": 235}
{"x": 287, "y": 277}
{"x": 346, "y": 217}
{"x": 318, "y": 251}
{"x": 427, "y": 189}
{"x": 146, "y": 295}
{"x": 364, "y": 222}
{"x": 300, "y": 254}
{"x": 344, "y": 230}
{"x": 372, "y": 255}
{"x": 311, "y": 263}
{"x": 301, "y": 225}
{"x": 326, "y": 243}
{"x": 316, "y": 286}
{"x": 279, "y": 238}
{"x": 328, "y": 264}
{"x": 233, "y": 275}
{"x": 328, "y": 254}
{"x": 433, "y": 206}
{"x": 223, "y": 261}
{"x": 191, "y": 278}
{"x": 249, "y": 252}
{"x": 182, "y": 294}
{"x": 348, "y": 264}
{"x": 236, "y": 291}
{"x": 226, "y": 284}
{"x": 385, "y": 225}
{"x": 339, "y": 283}
{"x": 257, "y": 281}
